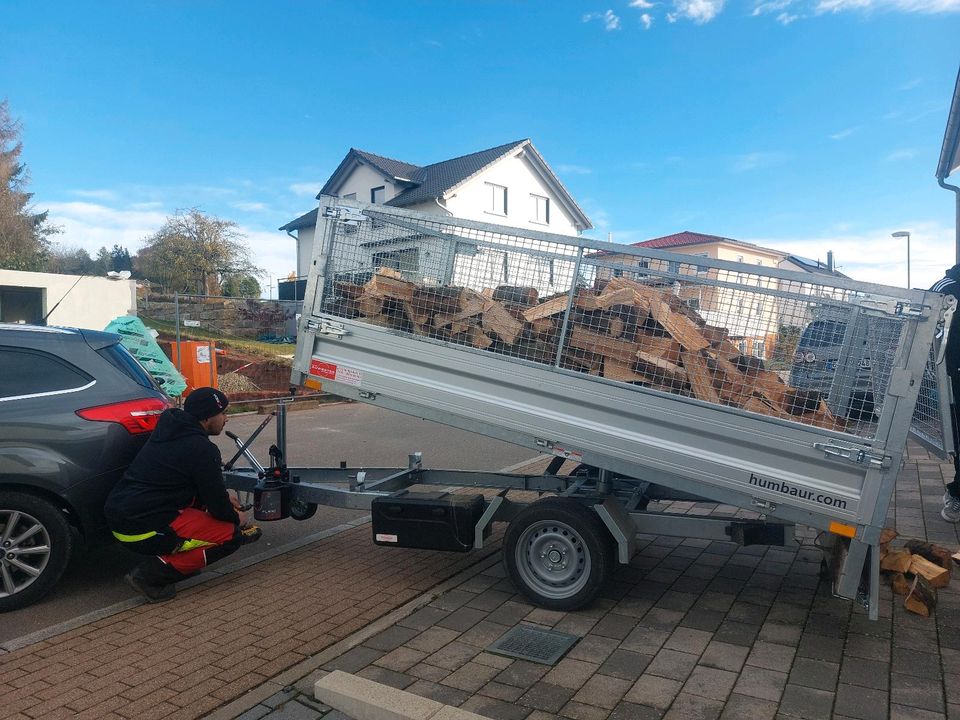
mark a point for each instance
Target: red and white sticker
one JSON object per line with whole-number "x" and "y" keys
{"x": 383, "y": 537}
{"x": 574, "y": 455}
{"x": 337, "y": 373}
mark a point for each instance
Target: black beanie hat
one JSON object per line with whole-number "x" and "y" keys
{"x": 205, "y": 402}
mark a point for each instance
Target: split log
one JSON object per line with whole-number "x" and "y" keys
{"x": 932, "y": 552}
{"x": 699, "y": 376}
{"x": 659, "y": 346}
{"x": 900, "y": 584}
{"x": 614, "y": 369}
{"x": 389, "y": 283}
{"x": 598, "y": 321}
{"x": 432, "y": 300}
{"x": 602, "y": 345}
{"x": 586, "y": 300}
{"x": 525, "y": 296}
{"x": 370, "y": 304}
{"x": 544, "y": 328}
{"x": 478, "y": 338}
{"x": 661, "y": 371}
{"x": 546, "y": 309}
{"x": 496, "y": 319}
{"x": 349, "y": 290}
{"x": 921, "y": 599}
{"x": 888, "y": 534}
{"x": 936, "y": 576}
{"x": 897, "y": 561}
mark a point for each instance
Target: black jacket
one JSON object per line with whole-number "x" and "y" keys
{"x": 950, "y": 285}
{"x": 178, "y": 468}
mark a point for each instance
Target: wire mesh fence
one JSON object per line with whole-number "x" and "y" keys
{"x": 235, "y": 318}
{"x": 802, "y": 350}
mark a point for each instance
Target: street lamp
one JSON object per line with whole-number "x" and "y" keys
{"x": 900, "y": 234}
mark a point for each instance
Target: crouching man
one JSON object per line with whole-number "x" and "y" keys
{"x": 171, "y": 502}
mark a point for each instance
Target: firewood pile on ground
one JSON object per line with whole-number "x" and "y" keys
{"x": 916, "y": 571}
{"x": 619, "y": 329}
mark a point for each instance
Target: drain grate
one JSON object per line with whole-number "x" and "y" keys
{"x": 527, "y": 642}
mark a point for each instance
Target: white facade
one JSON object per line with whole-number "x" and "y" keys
{"x": 517, "y": 180}
{"x": 85, "y": 302}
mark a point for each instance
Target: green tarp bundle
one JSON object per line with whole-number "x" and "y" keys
{"x": 137, "y": 338}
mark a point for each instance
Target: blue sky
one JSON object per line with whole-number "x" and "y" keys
{"x": 804, "y": 125}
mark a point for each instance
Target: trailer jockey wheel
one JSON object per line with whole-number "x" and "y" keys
{"x": 302, "y": 510}
{"x": 558, "y": 553}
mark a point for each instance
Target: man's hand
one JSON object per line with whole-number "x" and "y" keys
{"x": 241, "y": 511}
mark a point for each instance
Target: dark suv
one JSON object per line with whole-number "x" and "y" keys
{"x": 75, "y": 407}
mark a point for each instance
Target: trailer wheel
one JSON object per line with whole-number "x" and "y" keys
{"x": 302, "y": 510}
{"x": 558, "y": 553}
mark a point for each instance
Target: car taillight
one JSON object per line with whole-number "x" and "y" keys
{"x": 137, "y": 416}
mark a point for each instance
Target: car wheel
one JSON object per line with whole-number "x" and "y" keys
{"x": 558, "y": 553}
{"x": 35, "y": 547}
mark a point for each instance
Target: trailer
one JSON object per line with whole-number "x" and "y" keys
{"x": 661, "y": 376}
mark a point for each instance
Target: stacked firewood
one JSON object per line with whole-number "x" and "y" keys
{"x": 916, "y": 571}
{"x": 620, "y": 329}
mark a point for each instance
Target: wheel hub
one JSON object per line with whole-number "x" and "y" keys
{"x": 552, "y": 559}
{"x": 25, "y": 552}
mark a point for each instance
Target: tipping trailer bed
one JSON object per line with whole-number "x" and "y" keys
{"x": 664, "y": 375}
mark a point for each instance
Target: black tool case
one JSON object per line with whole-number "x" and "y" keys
{"x": 432, "y": 521}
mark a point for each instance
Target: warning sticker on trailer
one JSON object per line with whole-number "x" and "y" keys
{"x": 574, "y": 455}
{"x": 337, "y": 373}
{"x": 383, "y": 537}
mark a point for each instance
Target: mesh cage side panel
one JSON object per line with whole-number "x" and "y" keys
{"x": 795, "y": 350}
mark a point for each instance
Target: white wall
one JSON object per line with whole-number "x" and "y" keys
{"x": 362, "y": 180}
{"x": 91, "y": 304}
{"x": 516, "y": 173}
{"x": 304, "y": 250}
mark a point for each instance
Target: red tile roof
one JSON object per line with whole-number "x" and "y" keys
{"x": 684, "y": 238}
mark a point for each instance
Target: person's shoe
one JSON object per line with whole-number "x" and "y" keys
{"x": 152, "y": 592}
{"x": 947, "y": 497}
{"x": 951, "y": 511}
{"x": 250, "y": 534}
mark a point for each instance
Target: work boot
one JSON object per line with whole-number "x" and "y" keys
{"x": 155, "y": 580}
{"x": 250, "y": 534}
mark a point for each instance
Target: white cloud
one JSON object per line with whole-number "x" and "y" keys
{"x": 875, "y": 256}
{"x": 756, "y": 161}
{"x": 250, "y": 206}
{"x": 642, "y": 4}
{"x": 308, "y": 189}
{"x": 902, "y": 154}
{"x": 699, "y": 11}
{"x": 609, "y": 19}
{"x": 574, "y": 170}
{"x": 647, "y": 21}
{"x": 105, "y": 195}
{"x": 91, "y": 226}
{"x": 765, "y": 8}
{"x": 845, "y": 133}
{"x": 785, "y": 18}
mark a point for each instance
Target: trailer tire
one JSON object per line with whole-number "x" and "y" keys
{"x": 302, "y": 510}
{"x": 558, "y": 553}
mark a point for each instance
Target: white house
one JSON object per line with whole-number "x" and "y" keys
{"x": 79, "y": 301}
{"x": 510, "y": 185}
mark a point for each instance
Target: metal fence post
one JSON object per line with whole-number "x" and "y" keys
{"x": 176, "y": 312}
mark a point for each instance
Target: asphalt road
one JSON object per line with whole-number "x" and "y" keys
{"x": 359, "y": 434}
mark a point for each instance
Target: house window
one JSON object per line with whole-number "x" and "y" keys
{"x": 702, "y": 269}
{"x": 350, "y": 196}
{"x": 739, "y": 258}
{"x": 759, "y": 261}
{"x": 497, "y": 203}
{"x": 693, "y": 303}
{"x": 759, "y": 351}
{"x": 541, "y": 209}
{"x": 377, "y": 195}
{"x": 742, "y": 346}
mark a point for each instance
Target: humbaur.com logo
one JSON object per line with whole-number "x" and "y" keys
{"x": 788, "y": 489}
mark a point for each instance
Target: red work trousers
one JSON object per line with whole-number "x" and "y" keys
{"x": 205, "y": 540}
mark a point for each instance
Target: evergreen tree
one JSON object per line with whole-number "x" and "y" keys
{"x": 24, "y": 234}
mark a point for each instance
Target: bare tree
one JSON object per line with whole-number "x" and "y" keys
{"x": 23, "y": 233}
{"x": 194, "y": 252}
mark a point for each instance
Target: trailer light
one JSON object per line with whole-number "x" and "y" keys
{"x": 312, "y": 383}
{"x": 840, "y": 529}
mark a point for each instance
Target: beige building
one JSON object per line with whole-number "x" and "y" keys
{"x": 751, "y": 318}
